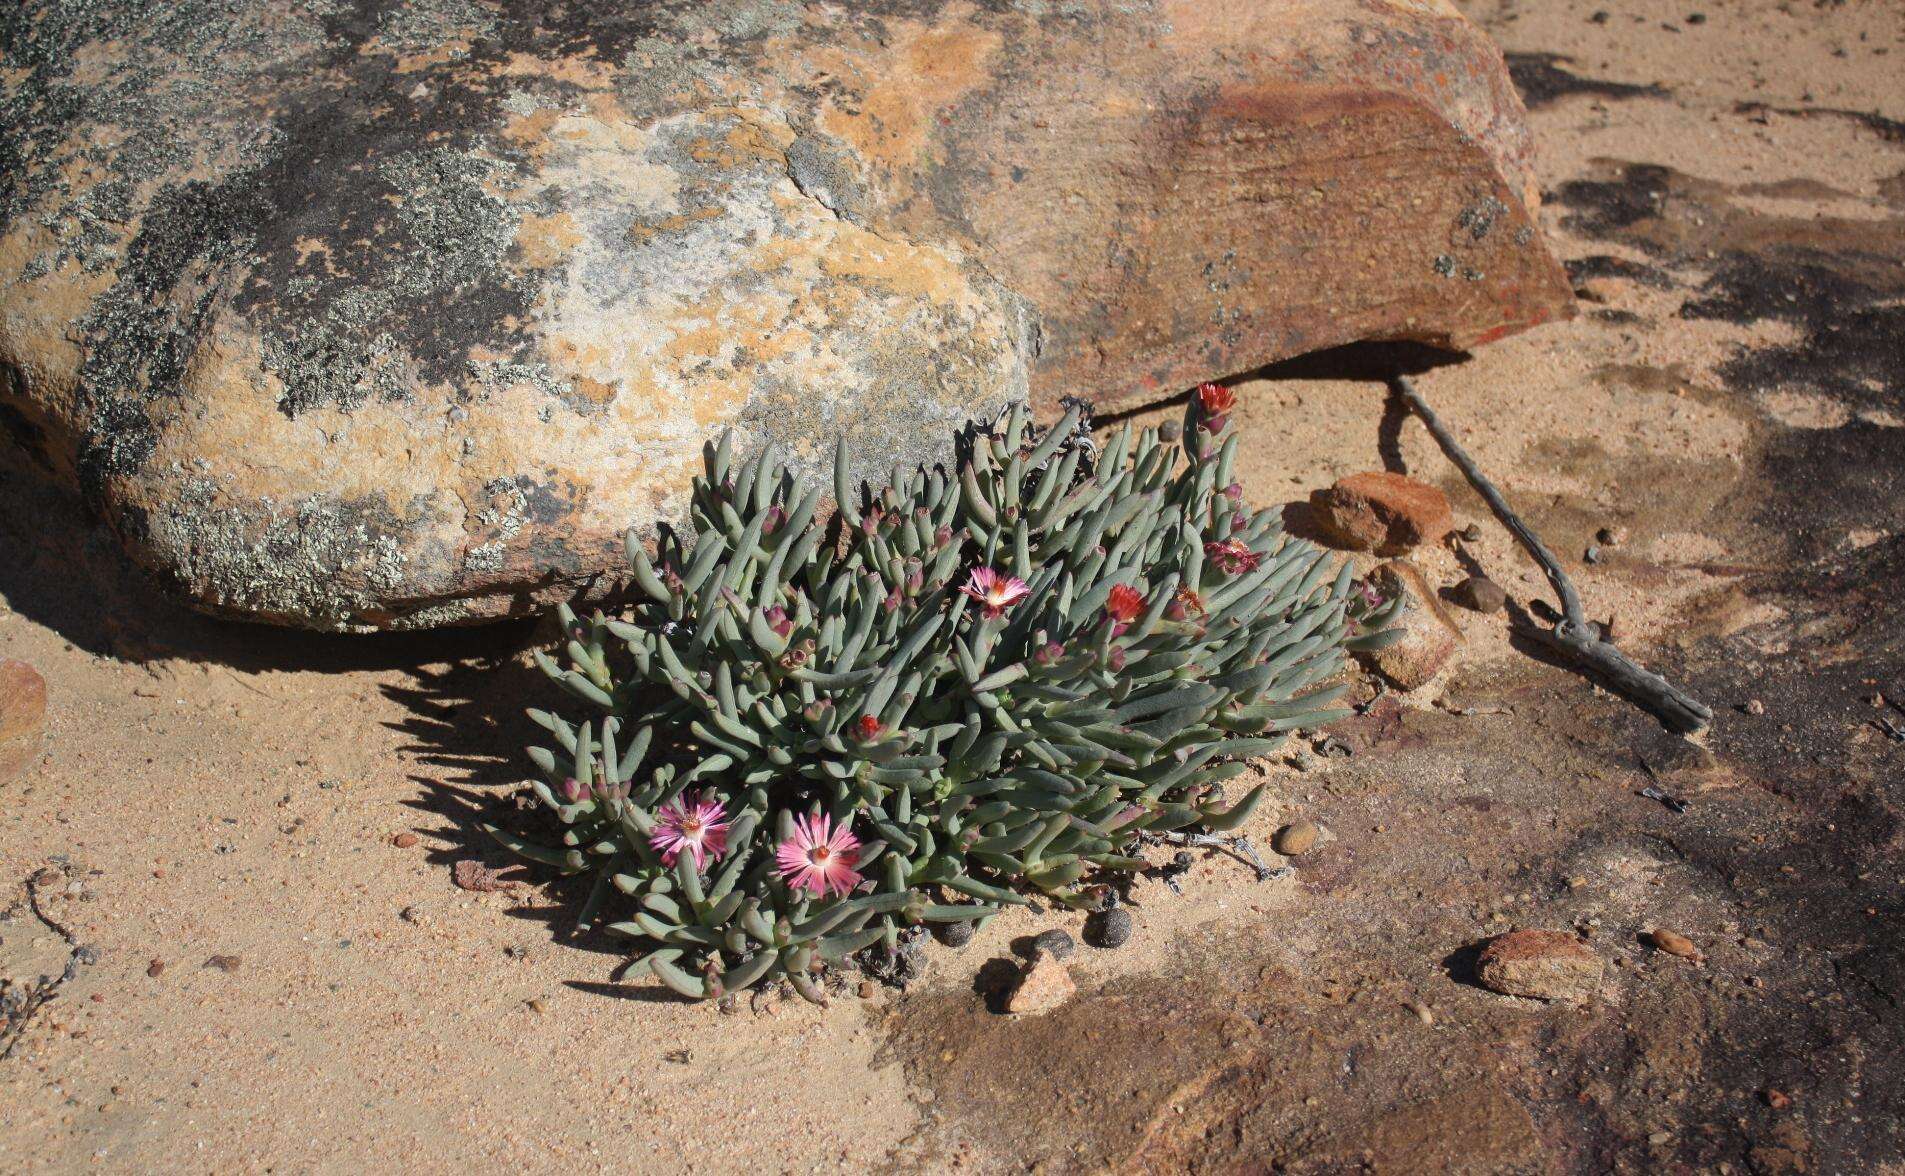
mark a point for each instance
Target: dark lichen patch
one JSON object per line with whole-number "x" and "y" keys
{"x": 139, "y": 334}
{"x": 1853, "y": 319}
{"x": 1832, "y": 483}
{"x": 1542, "y": 81}
{"x": 1889, "y": 129}
{"x": 1892, "y": 190}
{"x": 1601, "y": 265}
{"x": 414, "y": 249}
{"x": 321, "y": 562}
{"x": 1600, "y": 208}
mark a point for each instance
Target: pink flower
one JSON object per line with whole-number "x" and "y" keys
{"x": 996, "y": 591}
{"x": 1215, "y": 399}
{"x": 1233, "y": 556}
{"x": 1123, "y": 606}
{"x": 819, "y": 858}
{"x": 778, "y": 620}
{"x": 694, "y": 822}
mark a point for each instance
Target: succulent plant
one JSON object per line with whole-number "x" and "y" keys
{"x": 810, "y": 733}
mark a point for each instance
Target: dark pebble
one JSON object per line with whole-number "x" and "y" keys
{"x": 953, "y": 934}
{"x": 1055, "y": 943}
{"x": 1169, "y": 431}
{"x": 1110, "y": 928}
{"x": 1480, "y": 594}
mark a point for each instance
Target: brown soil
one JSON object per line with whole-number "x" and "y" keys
{"x": 1726, "y": 191}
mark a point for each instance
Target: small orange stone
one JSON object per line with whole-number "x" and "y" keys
{"x": 1674, "y": 943}
{"x": 404, "y": 840}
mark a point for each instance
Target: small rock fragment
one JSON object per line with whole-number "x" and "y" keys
{"x": 1383, "y": 512}
{"x": 1545, "y": 965}
{"x": 1296, "y": 838}
{"x": 1611, "y": 536}
{"x": 1054, "y": 943}
{"x": 224, "y": 963}
{"x": 1423, "y": 1013}
{"x": 1480, "y": 594}
{"x": 1674, "y": 943}
{"x": 155, "y": 969}
{"x": 404, "y": 840}
{"x": 1044, "y": 986}
{"x": 472, "y": 874}
{"x": 868, "y": 990}
{"x": 1110, "y": 928}
{"x": 1779, "y": 1100}
{"x": 1754, "y": 707}
{"x": 1429, "y": 634}
{"x": 954, "y": 934}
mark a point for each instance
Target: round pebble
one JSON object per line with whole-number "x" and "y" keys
{"x": 1055, "y": 943}
{"x": 1110, "y": 928}
{"x": 1480, "y": 594}
{"x": 953, "y": 934}
{"x": 1295, "y": 838}
{"x": 404, "y": 840}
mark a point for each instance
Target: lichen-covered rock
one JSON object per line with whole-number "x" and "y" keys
{"x": 398, "y": 314}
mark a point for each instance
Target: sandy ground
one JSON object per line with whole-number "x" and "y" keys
{"x": 1730, "y": 195}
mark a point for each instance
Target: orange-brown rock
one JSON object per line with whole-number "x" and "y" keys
{"x": 22, "y": 715}
{"x": 1383, "y": 512}
{"x": 400, "y": 314}
{"x": 1545, "y": 965}
{"x": 1429, "y": 634}
{"x": 1045, "y": 985}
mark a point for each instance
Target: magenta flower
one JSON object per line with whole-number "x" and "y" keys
{"x": 694, "y": 822}
{"x": 1233, "y": 556}
{"x": 778, "y": 620}
{"x": 995, "y": 590}
{"x": 819, "y": 858}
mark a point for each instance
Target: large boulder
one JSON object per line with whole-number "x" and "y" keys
{"x": 392, "y": 314}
